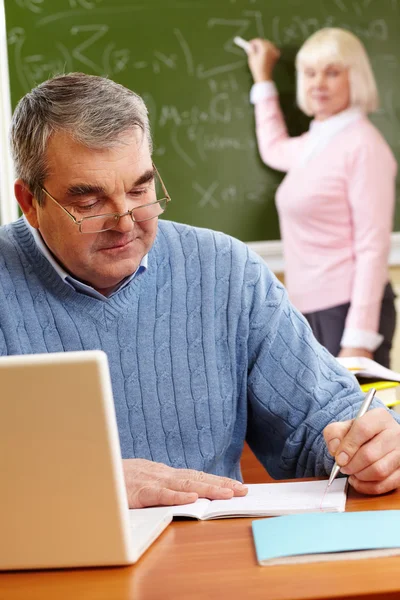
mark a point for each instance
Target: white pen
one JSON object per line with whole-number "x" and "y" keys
{"x": 363, "y": 409}
{"x": 239, "y": 41}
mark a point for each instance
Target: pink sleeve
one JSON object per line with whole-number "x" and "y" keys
{"x": 371, "y": 192}
{"x": 276, "y": 148}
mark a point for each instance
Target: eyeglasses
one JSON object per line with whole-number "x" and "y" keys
{"x": 107, "y": 221}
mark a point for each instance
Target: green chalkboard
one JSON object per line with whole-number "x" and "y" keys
{"x": 179, "y": 56}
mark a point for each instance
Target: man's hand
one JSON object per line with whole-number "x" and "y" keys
{"x": 368, "y": 450}
{"x": 153, "y": 484}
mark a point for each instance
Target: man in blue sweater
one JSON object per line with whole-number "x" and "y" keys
{"x": 204, "y": 347}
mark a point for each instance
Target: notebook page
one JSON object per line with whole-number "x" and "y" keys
{"x": 271, "y": 499}
{"x": 368, "y": 368}
{"x": 196, "y": 510}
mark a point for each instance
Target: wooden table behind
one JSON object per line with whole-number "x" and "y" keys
{"x": 215, "y": 559}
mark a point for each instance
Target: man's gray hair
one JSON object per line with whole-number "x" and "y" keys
{"x": 93, "y": 110}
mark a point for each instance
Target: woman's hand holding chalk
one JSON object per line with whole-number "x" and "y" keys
{"x": 239, "y": 41}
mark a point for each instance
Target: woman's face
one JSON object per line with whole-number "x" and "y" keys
{"x": 327, "y": 90}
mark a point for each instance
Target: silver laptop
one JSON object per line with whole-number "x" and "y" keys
{"x": 63, "y": 501}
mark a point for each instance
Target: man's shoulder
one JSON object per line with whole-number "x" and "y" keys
{"x": 173, "y": 228}
{"x": 201, "y": 237}
{"x": 7, "y": 242}
{"x": 17, "y": 247}
{"x": 200, "y": 248}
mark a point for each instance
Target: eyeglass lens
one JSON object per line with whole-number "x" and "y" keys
{"x": 106, "y": 222}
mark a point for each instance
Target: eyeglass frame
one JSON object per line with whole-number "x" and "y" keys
{"x": 119, "y": 215}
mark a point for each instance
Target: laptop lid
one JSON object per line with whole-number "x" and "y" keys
{"x": 63, "y": 500}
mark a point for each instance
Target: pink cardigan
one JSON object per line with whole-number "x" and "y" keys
{"x": 336, "y": 214}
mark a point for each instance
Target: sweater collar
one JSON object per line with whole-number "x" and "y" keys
{"x": 333, "y": 124}
{"x": 105, "y": 310}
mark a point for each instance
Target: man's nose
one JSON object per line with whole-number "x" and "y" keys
{"x": 121, "y": 206}
{"x": 125, "y": 223}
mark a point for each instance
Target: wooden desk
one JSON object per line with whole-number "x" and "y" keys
{"x": 215, "y": 559}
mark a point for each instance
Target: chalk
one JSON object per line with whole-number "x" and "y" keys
{"x": 239, "y": 41}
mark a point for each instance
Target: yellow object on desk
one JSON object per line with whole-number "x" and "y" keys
{"x": 370, "y": 374}
{"x": 388, "y": 392}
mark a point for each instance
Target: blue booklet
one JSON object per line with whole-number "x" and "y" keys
{"x": 316, "y": 537}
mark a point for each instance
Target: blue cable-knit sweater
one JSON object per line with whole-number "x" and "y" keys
{"x": 204, "y": 349}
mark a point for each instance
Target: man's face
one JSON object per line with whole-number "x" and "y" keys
{"x": 88, "y": 182}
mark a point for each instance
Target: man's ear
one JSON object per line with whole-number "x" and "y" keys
{"x": 27, "y": 202}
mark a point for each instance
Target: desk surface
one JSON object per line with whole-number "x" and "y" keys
{"x": 215, "y": 559}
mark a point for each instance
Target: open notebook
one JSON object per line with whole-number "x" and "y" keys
{"x": 322, "y": 537}
{"x": 370, "y": 374}
{"x": 364, "y": 367}
{"x": 271, "y": 499}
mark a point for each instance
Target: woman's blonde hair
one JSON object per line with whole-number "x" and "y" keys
{"x": 340, "y": 47}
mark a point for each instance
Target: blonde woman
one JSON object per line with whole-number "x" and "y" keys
{"x": 336, "y": 202}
